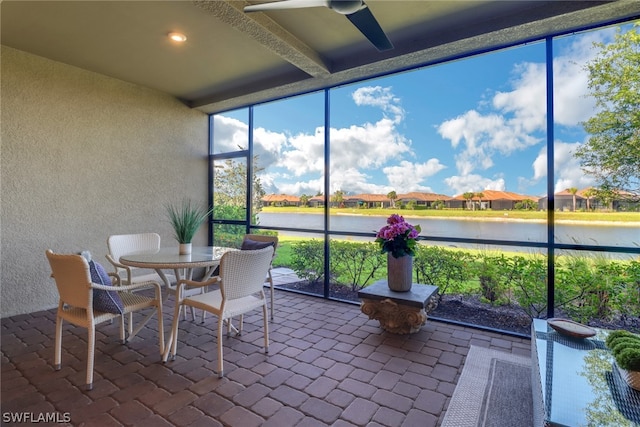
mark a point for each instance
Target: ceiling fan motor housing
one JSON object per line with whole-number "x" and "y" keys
{"x": 346, "y": 7}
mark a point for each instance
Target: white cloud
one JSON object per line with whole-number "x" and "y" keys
{"x": 404, "y": 177}
{"x": 408, "y": 176}
{"x": 354, "y": 149}
{"x": 573, "y": 104}
{"x": 381, "y": 97}
{"x": 482, "y": 136}
{"x": 527, "y": 100}
{"x": 267, "y": 146}
{"x": 310, "y": 187}
{"x": 504, "y": 123}
{"x": 567, "y": 168}
{"x": 304, "y": 154}
{"x": 229, "y": 134}
{"x": 476, "y": 183}
{"x": 370, "y": 145}
{"x": 350, "y": 180}
{"x": 518, "y": 119}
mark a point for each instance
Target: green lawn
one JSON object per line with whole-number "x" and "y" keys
{"x": 285, "y": 249}
{"x": 459, "y": 213}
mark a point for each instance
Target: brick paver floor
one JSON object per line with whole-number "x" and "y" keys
{"x": 328, "y": 364}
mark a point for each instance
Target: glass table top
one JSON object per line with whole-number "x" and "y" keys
{"x": 580, "y": 383}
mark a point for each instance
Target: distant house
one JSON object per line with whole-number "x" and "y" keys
{"x": 316, "y": 201}
{"x": 563, "y": 201}
{"x": 491, "y": 199}
{"x": 586, "y": 199}
{"x": 421, "y": 199}
{"x": 366, "y": 200}
{"x": 280, "y": 200}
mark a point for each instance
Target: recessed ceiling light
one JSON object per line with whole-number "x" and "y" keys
{"x": 177, "y": 37}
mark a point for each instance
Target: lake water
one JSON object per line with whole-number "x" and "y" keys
{"x": 609, "y": 234}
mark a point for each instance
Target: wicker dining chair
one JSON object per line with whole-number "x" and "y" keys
{"x": 241, "y": 279}
{"x": 261, "y": 240}
{"x": 88, "y": 297}
{"x": 125, "y": 244}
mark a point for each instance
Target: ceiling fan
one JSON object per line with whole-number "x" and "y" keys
{"x": 356, "y": 11}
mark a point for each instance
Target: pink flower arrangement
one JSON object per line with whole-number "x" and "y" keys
{"x": 398, "y": 237}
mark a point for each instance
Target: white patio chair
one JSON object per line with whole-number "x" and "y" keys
{"x": 247, "y": 244}
{"x": 125, "y": 244}
{"x": 86, "y": 303}
{"x": 241, "y": 290}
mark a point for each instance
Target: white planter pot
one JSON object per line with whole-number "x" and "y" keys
{"x": 185, "y": 248}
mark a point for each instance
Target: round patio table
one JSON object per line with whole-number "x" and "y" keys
{"x": 207, "y": 257}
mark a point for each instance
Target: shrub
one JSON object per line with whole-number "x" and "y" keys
{"x": 356, "y": 264}
{"x": 492, "y": 272}
{"x": 529, "y": 280}
{"x": 307, "y": 260}
{"x": 622, "y": 344}
{"x": 629, "y": 359}
{"x": 443, "y": 268}
{"x": 616, "y": 335}
{"x": 625, "y": 347}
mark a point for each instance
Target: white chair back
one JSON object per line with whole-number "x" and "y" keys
{"x": 265, "y": 238}
{"x": 243, "y": 272}
{"x": 125, "y": 244}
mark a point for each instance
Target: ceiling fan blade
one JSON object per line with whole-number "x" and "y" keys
{"x": 364, "y": 20}
{"x": 286, "y": 4}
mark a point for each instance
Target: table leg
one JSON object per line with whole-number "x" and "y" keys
{"x": 172, "y": 343}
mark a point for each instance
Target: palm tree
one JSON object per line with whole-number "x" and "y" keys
{"x": 468, "y": 196}
{"x": 338, "y": 198}
{"x": 392, "y": 195}
{"x": 480, "y": 195}
{"x": 588, "y": 194}
{"x": 304, "y": 200}
{"x": 573, "y": 191}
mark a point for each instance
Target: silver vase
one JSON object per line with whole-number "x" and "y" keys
{"x": 399, "y": 272}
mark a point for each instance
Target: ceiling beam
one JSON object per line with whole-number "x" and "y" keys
{"x": 591, "y": 14}
{"x": 265, "y": 31}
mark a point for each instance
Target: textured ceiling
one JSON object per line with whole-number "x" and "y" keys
{"x": 232, "y": 58}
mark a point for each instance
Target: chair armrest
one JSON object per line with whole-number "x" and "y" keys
{"x": 115, "y": 279}
{"x": 124, "y": 288}
{"x": 194, "y": 284}
{"x": 198, "y": 284}
{"x": 117, "y": 265}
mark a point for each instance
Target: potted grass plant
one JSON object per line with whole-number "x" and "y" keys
{"x": 625, "y": 347}
{"x": 185, "y": 219}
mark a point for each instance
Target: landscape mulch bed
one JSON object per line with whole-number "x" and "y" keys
{"x": 470, "y": 310}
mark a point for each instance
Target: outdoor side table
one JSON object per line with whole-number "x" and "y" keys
{"x": 398, "y": 312}
{"x": 575, "y": 382}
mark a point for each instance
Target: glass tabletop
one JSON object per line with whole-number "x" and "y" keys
{"x": 170, "y": 256}
{"x": 580, "y": 383}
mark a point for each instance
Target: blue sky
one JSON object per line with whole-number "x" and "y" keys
{"x": 470, "y": 125}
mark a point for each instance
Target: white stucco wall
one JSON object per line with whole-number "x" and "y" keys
{"x": 84, "y": 156}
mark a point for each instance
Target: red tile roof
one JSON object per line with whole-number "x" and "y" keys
{"x": 426, "y": 197}
{"x": 490, "y": 195}
{"x": 269, "y": 198}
